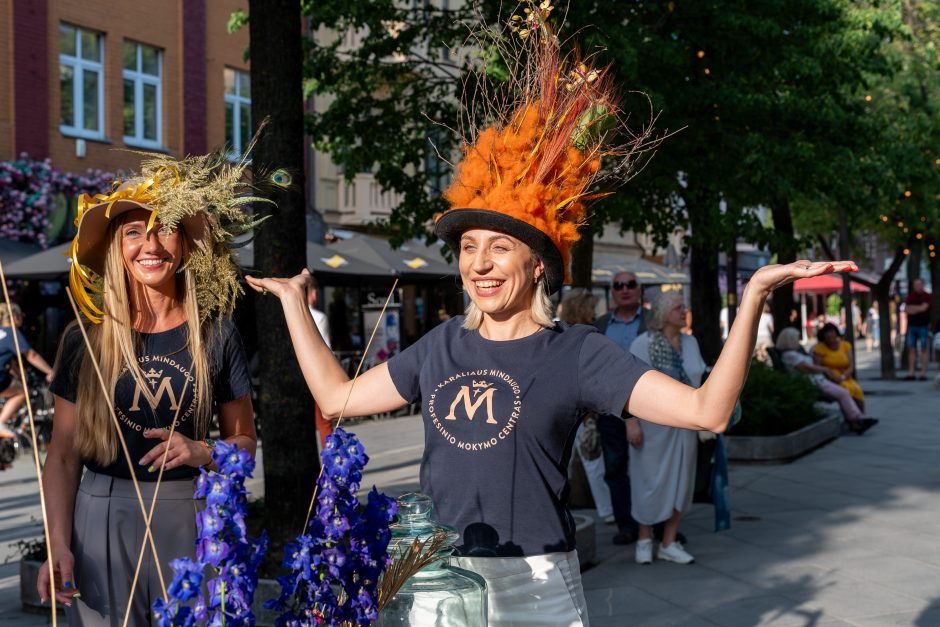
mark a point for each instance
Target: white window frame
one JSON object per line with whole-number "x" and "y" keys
{"x": 140, "y": 79}
{"x": 236, "y": 100}
{"x": 79, "y": 67}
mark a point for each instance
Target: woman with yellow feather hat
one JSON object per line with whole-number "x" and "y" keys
{"x": 152, "y": 275}
{"x": 502, "y": 387}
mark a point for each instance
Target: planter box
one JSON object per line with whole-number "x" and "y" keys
{"x": 585, "y": 539}
{"x": 783, "y": 448}
{"x": 29, "y": 596}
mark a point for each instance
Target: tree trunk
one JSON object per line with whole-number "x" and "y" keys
{"x": 285, "y": 407}
{"x": 703, "y": 271}
{"x": 882, "y": 293}
{"x": 731, "y": 272}
{"x": 582, "y": 257}
{"x": 846, "y": 279}
{"x": 784, "y": 245}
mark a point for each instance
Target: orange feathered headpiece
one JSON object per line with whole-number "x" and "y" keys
{"x": 531, "y": 174}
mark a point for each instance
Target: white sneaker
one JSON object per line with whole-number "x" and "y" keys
{"x": 672, "y": 553}
{"x": 609, "y": 520}
{"x": 644, "y": 551}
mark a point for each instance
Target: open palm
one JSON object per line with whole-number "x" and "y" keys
{"x": 771, "y": 277}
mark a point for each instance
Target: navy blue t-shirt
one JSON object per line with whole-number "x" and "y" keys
{"x": 166, "y": 364}
{"x": 8, "y": 353}
{"x": 500, "y": 419}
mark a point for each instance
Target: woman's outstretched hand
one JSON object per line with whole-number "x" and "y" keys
{"x": 281, "y": 287}
{"x": 769, "y": 278}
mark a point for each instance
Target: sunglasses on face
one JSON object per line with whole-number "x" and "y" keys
{"x": 632, "y": 285}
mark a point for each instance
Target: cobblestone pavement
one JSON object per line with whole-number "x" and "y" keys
{"x": 846, "y": 535}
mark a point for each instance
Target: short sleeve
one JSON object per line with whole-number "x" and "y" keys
{"x": 607, "y": 375}
{"x": 24, "y": 344}
{"x": 65, "y": 376}
{"x": 405, "y": 367}
{"x": 232, "y": 381}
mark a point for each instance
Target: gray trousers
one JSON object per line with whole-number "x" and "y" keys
{"x": 107, "y": 533}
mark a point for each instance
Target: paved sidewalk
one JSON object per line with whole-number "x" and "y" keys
{"x": 846, "y": 535}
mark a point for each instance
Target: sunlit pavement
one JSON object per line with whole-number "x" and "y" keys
{"x": 846, "y": 535}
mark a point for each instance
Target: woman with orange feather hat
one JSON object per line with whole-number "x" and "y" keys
{"x": 502, "y": 387}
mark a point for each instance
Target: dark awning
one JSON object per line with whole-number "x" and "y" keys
{"x": 51, "y": 263}
{"x": 12, "y": 251}
{"x": 322, "y": 260}
{"x": 607, "y": 265}
{"x": 412, "y": 260}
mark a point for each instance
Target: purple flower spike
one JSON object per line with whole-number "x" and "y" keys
{"x": 222, "y": 546}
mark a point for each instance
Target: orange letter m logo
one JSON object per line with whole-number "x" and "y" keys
{"x": 470, "y": 407}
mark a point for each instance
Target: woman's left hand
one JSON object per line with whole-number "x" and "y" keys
{"x": 769, "y": 278}
{"x": 183, "y": 451}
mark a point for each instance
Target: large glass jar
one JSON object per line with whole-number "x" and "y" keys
{"x": 439, "y": 595}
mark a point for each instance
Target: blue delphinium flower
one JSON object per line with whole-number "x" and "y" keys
{"x": 222, "y": 547}
{"x": 345, "y": 546}
{"x": 187, "y": 579}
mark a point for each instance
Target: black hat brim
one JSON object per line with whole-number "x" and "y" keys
{"x": 452, "y": 224}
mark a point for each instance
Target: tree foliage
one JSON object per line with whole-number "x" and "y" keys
{"x": 800, "y": 106}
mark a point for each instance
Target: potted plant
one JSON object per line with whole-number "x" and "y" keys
{"x": 780, "y": 418}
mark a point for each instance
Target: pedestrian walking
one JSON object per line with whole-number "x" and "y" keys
{"x": 169, "y": 354}
{"x": 917, "y": 309}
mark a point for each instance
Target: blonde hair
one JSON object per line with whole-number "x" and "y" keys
{"x": 788, "y": 340}
{"x": 8, "y": 315}
{"x": 578, "y": 308}
{"x": 540, "y": 309}
{"x": 113, "y": 344}
{"x": 659, "y": 309}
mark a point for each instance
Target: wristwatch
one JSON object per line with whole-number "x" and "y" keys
{"x": 210, "y": 444}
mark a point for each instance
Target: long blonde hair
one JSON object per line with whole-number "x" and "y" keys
{"x": 113, "y": 344}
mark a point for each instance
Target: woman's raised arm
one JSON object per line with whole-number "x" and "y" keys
{"x": 374, "y": 391}
{"x": 661, "y": 399}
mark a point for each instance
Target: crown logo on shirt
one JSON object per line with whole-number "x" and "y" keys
{"x": 153, "y": 376}
{"x": 482, "y": 384}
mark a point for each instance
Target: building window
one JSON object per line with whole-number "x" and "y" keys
{"x": 143, "y": 95}
{"x": 81, "y": 81}
{"x": 237, "y": 111}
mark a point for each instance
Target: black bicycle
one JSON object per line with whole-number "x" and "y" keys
{"x": 43, "y": 411}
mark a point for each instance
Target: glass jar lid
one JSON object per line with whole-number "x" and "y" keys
{"x": 415, "y": 522}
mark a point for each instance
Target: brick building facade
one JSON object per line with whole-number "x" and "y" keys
{"x": 82, "y": 78}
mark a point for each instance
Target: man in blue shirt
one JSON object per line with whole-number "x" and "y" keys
{"x": 622, "y": 325}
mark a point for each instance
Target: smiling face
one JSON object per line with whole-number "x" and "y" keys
{"x": 498, "y": 271}
{"x": 150, "y": 258}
